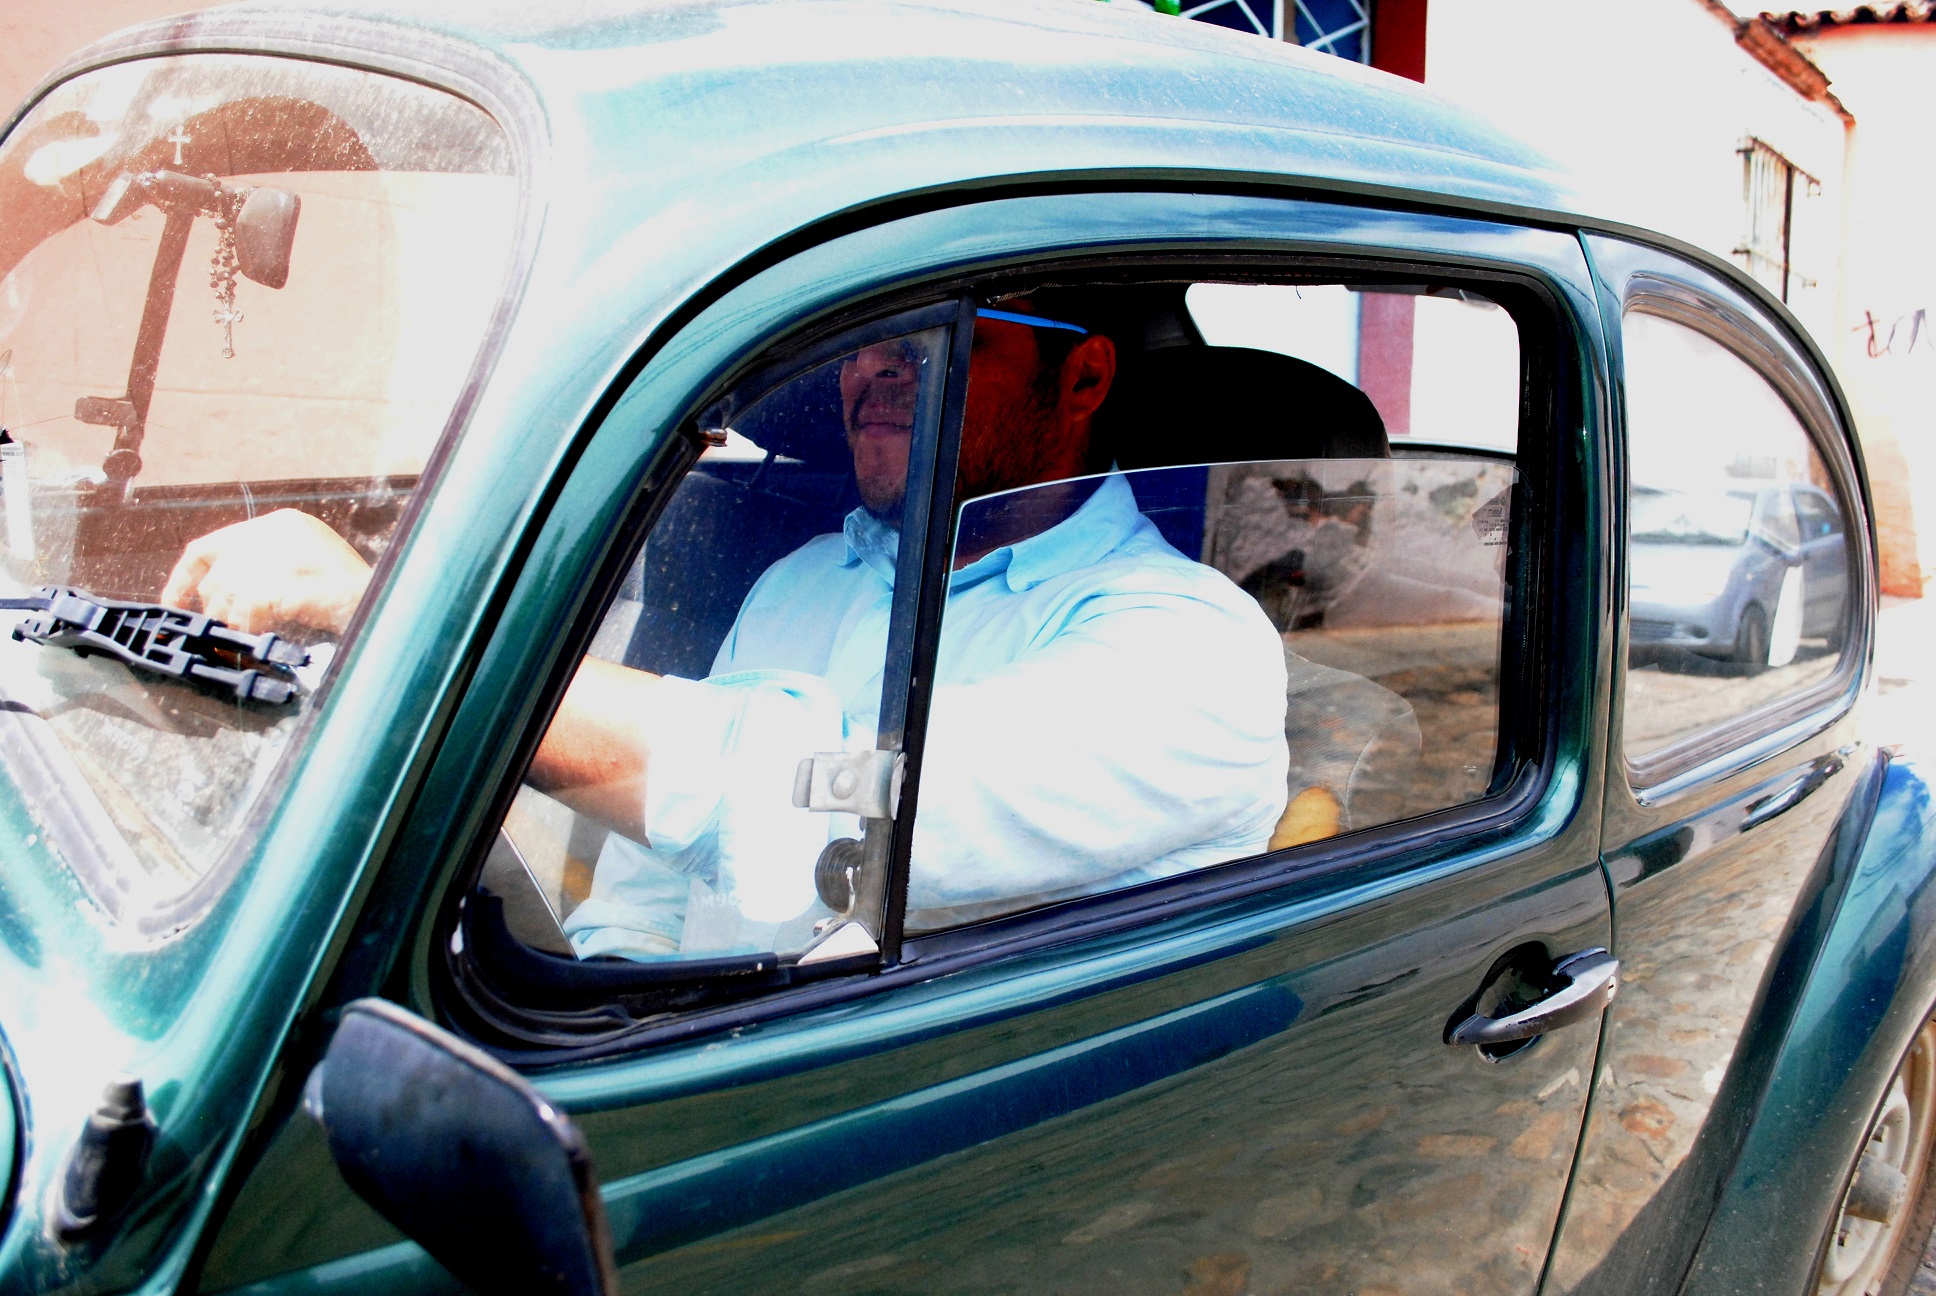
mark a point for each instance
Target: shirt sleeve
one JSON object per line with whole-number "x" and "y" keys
{"x": 719, "y": 786}
{"x": 1144, "y": 737}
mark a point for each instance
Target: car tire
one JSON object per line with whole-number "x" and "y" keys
{"x": 1866, "y": 1256}
{"x": 1751, "y": 638}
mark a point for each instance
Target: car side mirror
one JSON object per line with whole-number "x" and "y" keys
{"x": 265, "y": 230}
{"x": 462, "y": 1154}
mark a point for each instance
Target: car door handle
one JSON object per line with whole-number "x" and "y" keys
{"x": 1589, "y": 981}
{"x": 1778, "y": 803}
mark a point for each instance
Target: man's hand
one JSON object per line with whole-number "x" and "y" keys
{"x": 280, "y": 570}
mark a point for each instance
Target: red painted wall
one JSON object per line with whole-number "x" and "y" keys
{"x": 1398, "y": 37}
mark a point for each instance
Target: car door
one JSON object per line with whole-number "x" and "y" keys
{"x": 989, "y": 1054}
{"x": 1729, "y": 778}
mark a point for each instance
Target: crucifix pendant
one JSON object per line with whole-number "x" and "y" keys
{"x": 178, "y": 139}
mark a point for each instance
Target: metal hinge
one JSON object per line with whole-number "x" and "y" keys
{"x": 866, "y": 783}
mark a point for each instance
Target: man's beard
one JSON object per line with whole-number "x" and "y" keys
{"x": 888, "y": 515}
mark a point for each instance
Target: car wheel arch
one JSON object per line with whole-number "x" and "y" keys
{"x": 1854, "y": 981}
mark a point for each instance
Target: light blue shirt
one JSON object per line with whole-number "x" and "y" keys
{"x": 1105, "y": 712}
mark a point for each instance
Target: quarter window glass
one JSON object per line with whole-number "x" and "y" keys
{"x": 659, "y": 821}
{"x": 1737, "y": 564}
{"x": 231, "y": 287}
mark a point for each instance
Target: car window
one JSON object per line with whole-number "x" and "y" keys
{"x": 663, "y": 819}
{"x": 1166, "y": 642}
{"x": 1738, "y": 576}
{"x": 232, "y": 288}
{"x": 1258, "y": 631}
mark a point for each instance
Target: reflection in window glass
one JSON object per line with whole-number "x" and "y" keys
{"x": 659, "y": 820}
{"x": 1149, "y": 672}
{"x": 1738, "y": 572}
{"x": 230, "y": 285}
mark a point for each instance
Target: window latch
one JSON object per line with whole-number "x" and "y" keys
{"x": 866, "y": 783}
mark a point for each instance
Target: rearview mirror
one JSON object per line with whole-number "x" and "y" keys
{"x": 265, "y": 230}
{"x": 462, "y": 1154}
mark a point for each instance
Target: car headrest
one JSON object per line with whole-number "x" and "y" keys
{"x": 1190, "y": 405}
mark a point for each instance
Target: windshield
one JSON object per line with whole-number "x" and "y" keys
{"x": 234, "y": 289}
{"x": 1691, "y": 517}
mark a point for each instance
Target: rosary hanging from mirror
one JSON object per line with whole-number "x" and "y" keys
{"x": 221, "y": 277}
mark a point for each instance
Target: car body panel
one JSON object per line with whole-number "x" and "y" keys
{"x": 1706, "y": 909}
{"x": 1717, "y": 867}
{"x": 1236, "y": 1117}
{"x": 12, "y": 1134}
{"x": 1866, "y": 986}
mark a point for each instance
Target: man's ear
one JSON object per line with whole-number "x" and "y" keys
{"x": 1087, "y": 373}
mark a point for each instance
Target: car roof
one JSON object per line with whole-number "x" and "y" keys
{"x": 851, "y": 100}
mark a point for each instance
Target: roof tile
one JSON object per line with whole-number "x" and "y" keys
{"x": 1802, "y": 22}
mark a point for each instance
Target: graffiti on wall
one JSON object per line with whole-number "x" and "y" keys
{"x": 1899, "y": 336}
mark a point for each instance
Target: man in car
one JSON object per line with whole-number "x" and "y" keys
{"x": 1105, "y": 711}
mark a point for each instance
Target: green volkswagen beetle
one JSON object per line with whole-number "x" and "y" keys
{"x": 882, "y": 646}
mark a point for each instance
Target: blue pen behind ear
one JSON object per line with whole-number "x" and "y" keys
{"x": 1034, "y": 321}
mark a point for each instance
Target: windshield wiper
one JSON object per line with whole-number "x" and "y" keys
{"x": 163, "y": 641}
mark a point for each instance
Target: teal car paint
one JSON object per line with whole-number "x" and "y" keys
{"x": 696, "y": 182}
{"x": 1854, "y": 1004}
{"x": 12, "y": 1141}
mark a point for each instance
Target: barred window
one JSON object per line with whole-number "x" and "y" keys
{"x": 1776, "y": 194}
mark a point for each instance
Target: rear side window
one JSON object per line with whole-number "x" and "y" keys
{"x": 232, "y": 287}
{"x": 1738, "y": 569}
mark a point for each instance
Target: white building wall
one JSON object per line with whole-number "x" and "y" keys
{"x": 1647, "y": 103}
{"x": 1885, "y": 351}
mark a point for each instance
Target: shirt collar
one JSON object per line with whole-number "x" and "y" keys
{"x": 871, "y": 541}
{"x": 1105, "y": 520}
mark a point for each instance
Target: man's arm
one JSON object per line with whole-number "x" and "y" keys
{"x": 288, "y": 569}
{"x": 595, "y": 754}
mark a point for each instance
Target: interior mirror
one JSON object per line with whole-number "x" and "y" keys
{"x": 462, "y": 1154}
{"x": 265, "y": 229}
